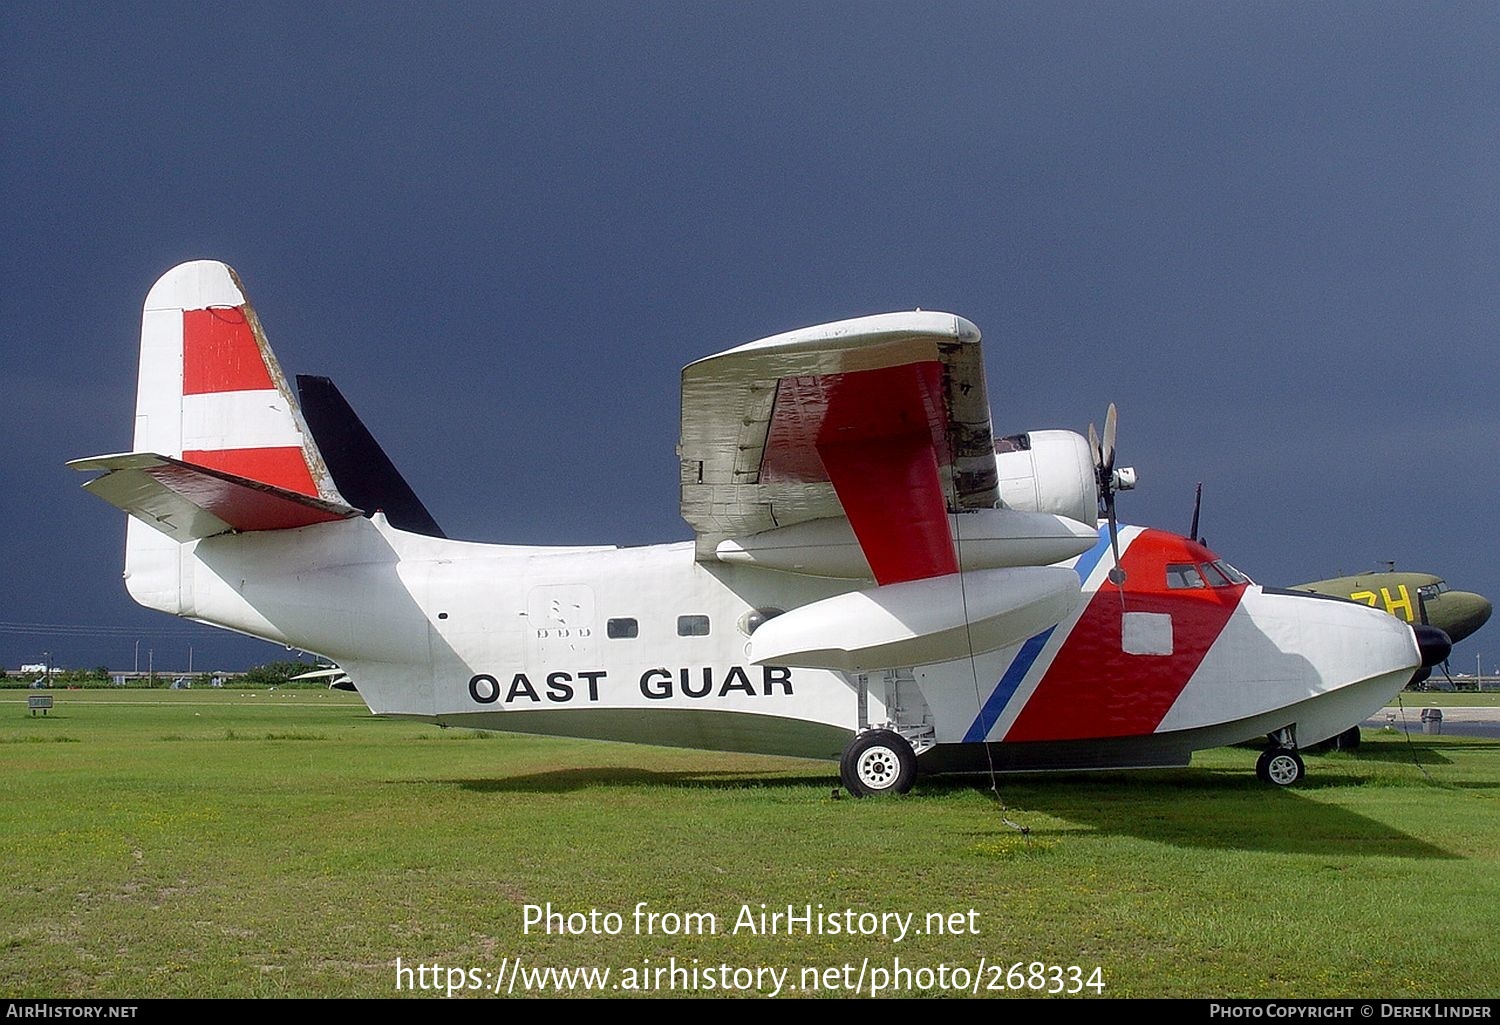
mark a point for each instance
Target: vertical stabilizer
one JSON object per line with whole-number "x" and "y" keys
{"x": 212, "y": 395}
{"x": 211, "y": 392}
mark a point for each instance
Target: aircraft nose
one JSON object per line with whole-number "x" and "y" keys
{"x": 1471, "y": 611}
{"x": 1433, "y": 644}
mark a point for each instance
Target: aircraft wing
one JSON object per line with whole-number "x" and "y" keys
{"x": 884, "y": 420}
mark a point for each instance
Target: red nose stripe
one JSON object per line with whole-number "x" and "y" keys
{"x": 283, "y": 467}
{"x": 219, "y": 353}
{"x": 1094, "y": 689}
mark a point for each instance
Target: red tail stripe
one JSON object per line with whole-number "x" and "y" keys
{"x": 219, "y": 353}
{"x": 283, "y": 467}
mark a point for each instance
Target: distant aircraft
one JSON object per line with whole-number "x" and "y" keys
{"x": 873, "y": 577}
{"x": 1414, "y": 597}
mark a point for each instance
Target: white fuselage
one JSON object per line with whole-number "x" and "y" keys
{"x": 518, "y": 638}
{"x": 650, "y": 645}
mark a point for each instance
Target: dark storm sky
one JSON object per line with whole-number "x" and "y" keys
{"x": 1268, "y": 231}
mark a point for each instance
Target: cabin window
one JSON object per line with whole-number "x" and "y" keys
{"x": 692, "y": 626}
{"x": 622, "y": 628}
{"x": 1184, "y": 574}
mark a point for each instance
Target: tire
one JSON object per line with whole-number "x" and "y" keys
{"x": 1348, "y": 740}
{"x": 878, "y": 762}
{"x": 1280, "y": 766}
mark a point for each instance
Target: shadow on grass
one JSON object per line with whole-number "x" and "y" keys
{"x": 1321, "y": 761}
{"x": 567, "y": 780}
{"x": 1211, "y": 809}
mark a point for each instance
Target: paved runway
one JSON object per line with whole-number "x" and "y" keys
{"x": 1457, "y": 722}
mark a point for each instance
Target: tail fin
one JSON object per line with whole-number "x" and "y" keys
{"x": 211, "y": 392}
{"x": 360, "y": 467}
{"x": 220, "y": 444}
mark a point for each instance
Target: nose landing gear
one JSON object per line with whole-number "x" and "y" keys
{"x": 1280, "y": 764}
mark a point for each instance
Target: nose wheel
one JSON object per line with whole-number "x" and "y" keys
{"x": 1281, "y": 766}
{"x": 878, "y": 762}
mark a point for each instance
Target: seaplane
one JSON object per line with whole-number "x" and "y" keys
{"x": 874, "y": 576}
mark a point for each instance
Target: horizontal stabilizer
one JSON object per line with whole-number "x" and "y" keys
{"x": 187, "y": 502}
{"x": 919, "y": 622}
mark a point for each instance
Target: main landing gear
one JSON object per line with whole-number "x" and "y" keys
{"x": 1280, "y": 763}
{"x": 878, "y": 762}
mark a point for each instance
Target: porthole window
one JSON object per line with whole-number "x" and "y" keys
{"x": 692, "y": 626}
{"x": 622, "y": 628}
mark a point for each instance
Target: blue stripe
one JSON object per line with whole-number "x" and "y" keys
{"x": 1027, "y": 656}
{"x": 1006, "y": 688}
{"x": 1089, "y": 559}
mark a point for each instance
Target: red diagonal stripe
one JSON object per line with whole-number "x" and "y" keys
{"x": 1092, "y": 688}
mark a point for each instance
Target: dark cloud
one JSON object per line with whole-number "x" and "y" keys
{"x": 1267, "y": 231}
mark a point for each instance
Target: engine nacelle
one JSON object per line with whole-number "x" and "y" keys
{"x": 987, "y": 539}
{"x": 919, "y": 622}
{"x": 1048, "y": 472}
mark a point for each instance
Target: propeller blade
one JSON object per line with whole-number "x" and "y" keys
{"x": 1094, "y": 447}
{"x": 1109, "y": 438}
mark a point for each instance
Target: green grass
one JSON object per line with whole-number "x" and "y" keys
{"x": 288, "y": 844}
{"x": 1450, "y": 699}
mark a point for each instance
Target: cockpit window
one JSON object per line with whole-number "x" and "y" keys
{"x": 1215, "y": 576}
{"x": 1431, "y": 591}
{"x": 1183, "y": 574}
{"x": 1234, "y": 575}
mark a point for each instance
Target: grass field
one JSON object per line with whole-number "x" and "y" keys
{"x": 286, "y": 843}
{"x": 1450, "y": 699}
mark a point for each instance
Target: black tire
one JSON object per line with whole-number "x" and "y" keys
{"x": 878, "y": 762}
{"x": 1280, "y": 766}
{"x": 1348, "y": 740}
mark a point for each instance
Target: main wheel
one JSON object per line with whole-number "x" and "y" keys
{"x": 1346, "y": 741}
{"x": 878, "y": 762}
{"x": 1280, "y": 765}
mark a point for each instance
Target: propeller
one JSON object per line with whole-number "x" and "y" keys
{"x": 1110, "y": 480}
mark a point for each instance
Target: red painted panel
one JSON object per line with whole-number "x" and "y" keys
{"x": 893, "y": 496}
{"x": 881, "y": 438}
{"x": 864, "y": 405}
{"x": 283, "y": 467}
{"x": 1092, "y": 688}
{"x": 219, "y": 353}
{"x": 239, "y": 505}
